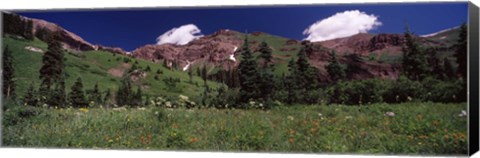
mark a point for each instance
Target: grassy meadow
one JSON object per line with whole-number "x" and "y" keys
{"x": 416, "y": 128}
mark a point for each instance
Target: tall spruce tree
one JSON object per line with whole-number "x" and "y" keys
{"x": 436, "y": 69}
{"x": 107, "y": 99}
{"x": 8, "y": 74}
{"x": 414, "y": 58}
{"x": 28, "y": 31}
{"x": 95, "y": 95}
{"x": 77, "y": 95}
{"x": 30, "y": 97}
{"x": 52, "y": 60}
{"x": 266, "y": 77}
{"x": 58, "y": 95}
{"x": 247, "y": 70}
{"x": 461, "y": 52}
{"x": 124, "y": 93}
{"x": 290, "y": 82}
{"x": 137, "y": 97}
{"x": 335, "y": 70}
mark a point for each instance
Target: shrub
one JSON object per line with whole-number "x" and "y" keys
{"x": 358, "y": 92}
{"x": 403, "y": 90}
{"x": 441, "y": 91}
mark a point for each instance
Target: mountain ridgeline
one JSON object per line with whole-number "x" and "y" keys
{"x": 360, "y": 69}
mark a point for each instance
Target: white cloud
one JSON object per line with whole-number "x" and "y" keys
{"x": 180, "y": 35}
{"x": 342, "y": 24}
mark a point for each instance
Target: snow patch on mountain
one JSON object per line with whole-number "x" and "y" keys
{"x": 232, "y": 56}
{"x": 180, "y": 35}
{"x": 439, "y": 32}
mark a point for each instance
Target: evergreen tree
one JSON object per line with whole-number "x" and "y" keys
{"x": 42, "y": 34}
{"x": 137, "y": 97}
{"x": 53, "y": 64}
{"x": 124, "y": 93}
{"x": 247, "y": 70}
{"x": 107, "y": 100}
{"x": 461, "y": 52}
{"x": 414, "y": 59}
{"x": 31, "y": 98}
{"x": 290, "y": 82}
{"x": 335, "y": 70}
{"x": 28, "y": 31}
{"x": 204, "y": 73}
{"x": 266, "y": 81}
{"x": 8, "y": 74}
{"x": 58, "y": 96}
{"x": 436, "y": 69}
{"x": 77, "y": 95}
{"x": 148, "y": 69}
{"x": 190, "y": 75}
{"x": 449, "y": 71}
{"x": 265, "y": 54}
{"x": 95, "y": 95}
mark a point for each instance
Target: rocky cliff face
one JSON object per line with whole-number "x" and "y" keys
{"x": 70, "y": 40}
{"x": 215, "y": 49}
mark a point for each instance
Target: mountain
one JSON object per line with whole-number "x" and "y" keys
{"x": 70, "y": 40}
{"x": 366, "y": 55}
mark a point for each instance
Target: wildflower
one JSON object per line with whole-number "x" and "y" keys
{"x": 193, "y": 140}
{"x": 419, "y": 117}
{"x": 320, "y": 114}
{"x": 463, "y": 113}
{"x": 290, "y": 117}
{"x": 390, "y": 114}
{"x": 291, "y": 140}
{"x": 83, "y": 110}
{"x": 292, "y": 131}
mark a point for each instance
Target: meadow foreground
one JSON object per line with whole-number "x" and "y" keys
{"x": 407, "y": 128}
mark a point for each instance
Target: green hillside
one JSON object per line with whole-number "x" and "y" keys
{"x": 100, "y": 67}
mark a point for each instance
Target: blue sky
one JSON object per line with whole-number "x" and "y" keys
{"x": 130, "y": 29}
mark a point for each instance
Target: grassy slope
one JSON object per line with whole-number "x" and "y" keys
{"x": 416, "y": 128}
{"x": 93, "y": 66}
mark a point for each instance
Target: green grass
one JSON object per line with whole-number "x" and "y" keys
{"x": 416, "y": 128}
{"x": 93, "y": 67}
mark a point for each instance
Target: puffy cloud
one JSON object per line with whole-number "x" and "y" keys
{"x": 180, "y": 35}
{"x": 342, "y": 24}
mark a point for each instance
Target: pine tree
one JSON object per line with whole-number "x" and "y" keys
{"x": 335, "y": 70}
{"x": 247, "y": 70}
{"x": 107, "y": 100}
{"x": 8, "y": 74}
{"x": 265, "y": 54}
{"x": 28, "y": 31}
{"x": 266, "y": 82}
{"x": 77, "y": 95}
{"x": 137, "y": 98}
{"x": 53, "y": 64}
{"x": 291, "y": 83}
{"x": 95, "y": 95}
{"x": 58, "y": 96}
{"x": 449, "y": 71}
{"x": 190, "y": 75}
{"x": 414, "y": 59}
{"x": 461, "y": 52}
{"x": 148, "y": 69}
{"x": 204, "y": 74}
{"x": 30, "y": 97}
{"x": 436, "y": 69}
{"x": 124, "y": 93}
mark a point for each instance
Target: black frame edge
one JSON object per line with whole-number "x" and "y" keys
{"x": 473, "y": 58}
